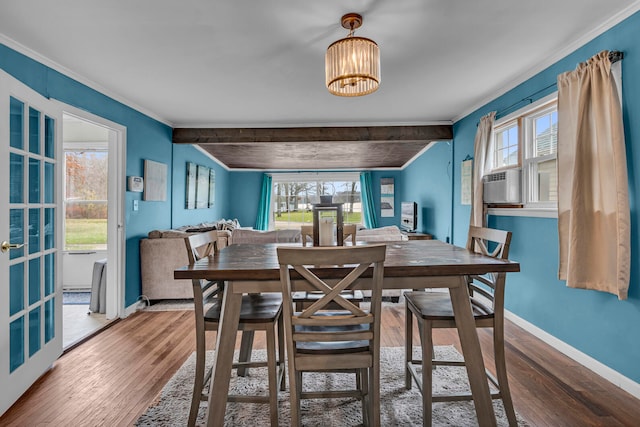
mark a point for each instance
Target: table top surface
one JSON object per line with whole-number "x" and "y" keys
{"x": 413, "y": 258}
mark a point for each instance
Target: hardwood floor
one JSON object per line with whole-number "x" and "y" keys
{"x": 111, "y": 379}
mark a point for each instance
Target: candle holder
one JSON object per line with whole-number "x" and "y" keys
{"x": 324, "y": 211}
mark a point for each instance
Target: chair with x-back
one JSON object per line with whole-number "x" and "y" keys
{"x": 261, "y": 312}
{"x": 321, "y": 338}
{"x": 306, "y": 298}
{"x": 434, "y": 310}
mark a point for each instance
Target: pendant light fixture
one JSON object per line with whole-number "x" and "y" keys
{"x": 352, "y": 64}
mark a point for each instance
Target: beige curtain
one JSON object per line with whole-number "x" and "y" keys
{"x": 481, "y": 149}
{"x": 593, "y": 201}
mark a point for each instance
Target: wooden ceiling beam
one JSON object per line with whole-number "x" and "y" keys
{"x": 312, "y": 134}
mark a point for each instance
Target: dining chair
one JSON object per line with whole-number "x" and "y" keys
{"x": 259, "y": 312}
{"x": 321, "y": 339}
{"x": 306, "y": 232}
{"x": 304, "y": 299}
{"x": 433, "y": 310}
{"x": 348, "y": 233}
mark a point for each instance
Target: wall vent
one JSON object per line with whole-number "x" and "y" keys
{"x": 502, "y": 187}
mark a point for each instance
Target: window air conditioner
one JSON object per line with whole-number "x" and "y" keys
{"x": 502, "y": 187}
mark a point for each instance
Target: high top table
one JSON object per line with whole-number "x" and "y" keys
{"x": 413, "y": 264}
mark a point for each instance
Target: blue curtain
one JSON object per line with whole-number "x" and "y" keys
{"x": 262, "y": 220}
{"x": 368, "y": 205}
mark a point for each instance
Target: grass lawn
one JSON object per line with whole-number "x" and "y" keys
{"x": 85, "y": 234}
{"x": 307, "y": 217}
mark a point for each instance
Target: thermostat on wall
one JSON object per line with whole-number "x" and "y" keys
{"x": 135, "y": 183}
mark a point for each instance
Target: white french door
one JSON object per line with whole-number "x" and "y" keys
{"x": 30, "y": 224}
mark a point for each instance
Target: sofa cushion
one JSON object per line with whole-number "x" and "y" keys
{"x": 389, "y": 233}
{"x": 246, "y": 235}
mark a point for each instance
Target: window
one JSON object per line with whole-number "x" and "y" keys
{"x": 85, "y": 199}
{"x": 294, "y": 193}
{"x": 506, "y": 146}
{"x": 528, "y": 139}
{"x": 539, "y": 163}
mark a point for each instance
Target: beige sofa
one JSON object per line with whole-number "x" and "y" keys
{"x": 164, "y": 251}
{"x": 389, "y": 233}
{"x": 160, "y": 254}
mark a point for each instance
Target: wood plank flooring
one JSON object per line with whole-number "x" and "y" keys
{"x": 111, "y": 379}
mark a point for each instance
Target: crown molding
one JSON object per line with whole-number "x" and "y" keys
{"x": 557, "y": 56}
{"x": 12, "y": 44}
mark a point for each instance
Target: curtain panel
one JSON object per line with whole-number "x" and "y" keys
{"x": 262, "y": 219}
{"x": 593, "y": 200}
{"x": 481, "y": 150}
{"x": 368, "y": 205}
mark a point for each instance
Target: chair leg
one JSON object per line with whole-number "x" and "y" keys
{"x": 501, "y": 376}
{"x": 408, "y": 344}
{"x": 362, "y": 376}
{"x": 198, "y": 383}
{"x": 282, "y": 363}
{"x": 245, "y": 351}
{"x": 272, "y": 368}
{"x": 295, "y": 391}
{"x": 374, "y": 394}
{"x": 427, "y": 371}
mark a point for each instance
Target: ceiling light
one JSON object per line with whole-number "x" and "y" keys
{"x": 352, "y": 64}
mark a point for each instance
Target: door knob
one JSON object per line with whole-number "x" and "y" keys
{"x": 6, "y": 246}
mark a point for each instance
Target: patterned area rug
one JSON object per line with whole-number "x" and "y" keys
{"x": 399, "y": 407}
{"x": 76, "y": 298}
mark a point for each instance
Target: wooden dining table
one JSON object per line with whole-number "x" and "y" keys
{"x": 413, "y": 264}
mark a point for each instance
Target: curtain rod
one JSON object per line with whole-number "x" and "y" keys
{"x": 614, "y": 56}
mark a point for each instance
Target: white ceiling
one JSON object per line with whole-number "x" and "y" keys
{"x": 250, "y": 63}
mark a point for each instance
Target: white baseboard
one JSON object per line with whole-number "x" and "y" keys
{"x": 138, "y": 305}
{"x": 611, "y": 375}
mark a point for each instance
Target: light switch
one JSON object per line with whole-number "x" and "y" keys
{"x": 135, "y": 205}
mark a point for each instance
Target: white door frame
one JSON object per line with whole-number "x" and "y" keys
{"x": 115, "y": 226}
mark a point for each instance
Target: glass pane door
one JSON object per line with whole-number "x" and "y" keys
{"x": 30, "y": 318}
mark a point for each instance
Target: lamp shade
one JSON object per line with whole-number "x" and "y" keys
{"x": 352, "y": 67}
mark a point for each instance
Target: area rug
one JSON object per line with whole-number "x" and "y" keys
{"x": 399, "y": 407}
{"x": 76, "y": 298}
{"x": 170, "y": 305}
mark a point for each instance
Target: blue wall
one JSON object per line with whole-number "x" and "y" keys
{"x": 428, "y": 182}
{"x": 244, "y": 196}
{"x": 181, "y": 216}
{"x": 398, "y": 189}
{"x": 595, "y": 323}
{"x": 146, "y": 139}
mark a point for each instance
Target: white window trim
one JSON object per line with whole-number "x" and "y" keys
{"x": 525, "y": 212}
{"x": 529, "y": 107}
{"x": 528, "y": 160}
{"x": 315, "y": 176}
{"x": 287, "y": 177}
{"x": 538, "y": 210}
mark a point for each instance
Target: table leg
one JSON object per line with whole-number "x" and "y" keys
{"x": 472, "y": 353}
{"x": 223, "y": 362}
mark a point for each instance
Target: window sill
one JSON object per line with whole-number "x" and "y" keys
{"x": 527, "y": 212}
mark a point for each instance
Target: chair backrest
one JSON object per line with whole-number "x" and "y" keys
{"x": 496, "y": 244}
{"x": 306, "y": 232}
{"x": 201, "y": 246}
{"x": 353, "y": 262}
{"x": 348, "y": 232}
